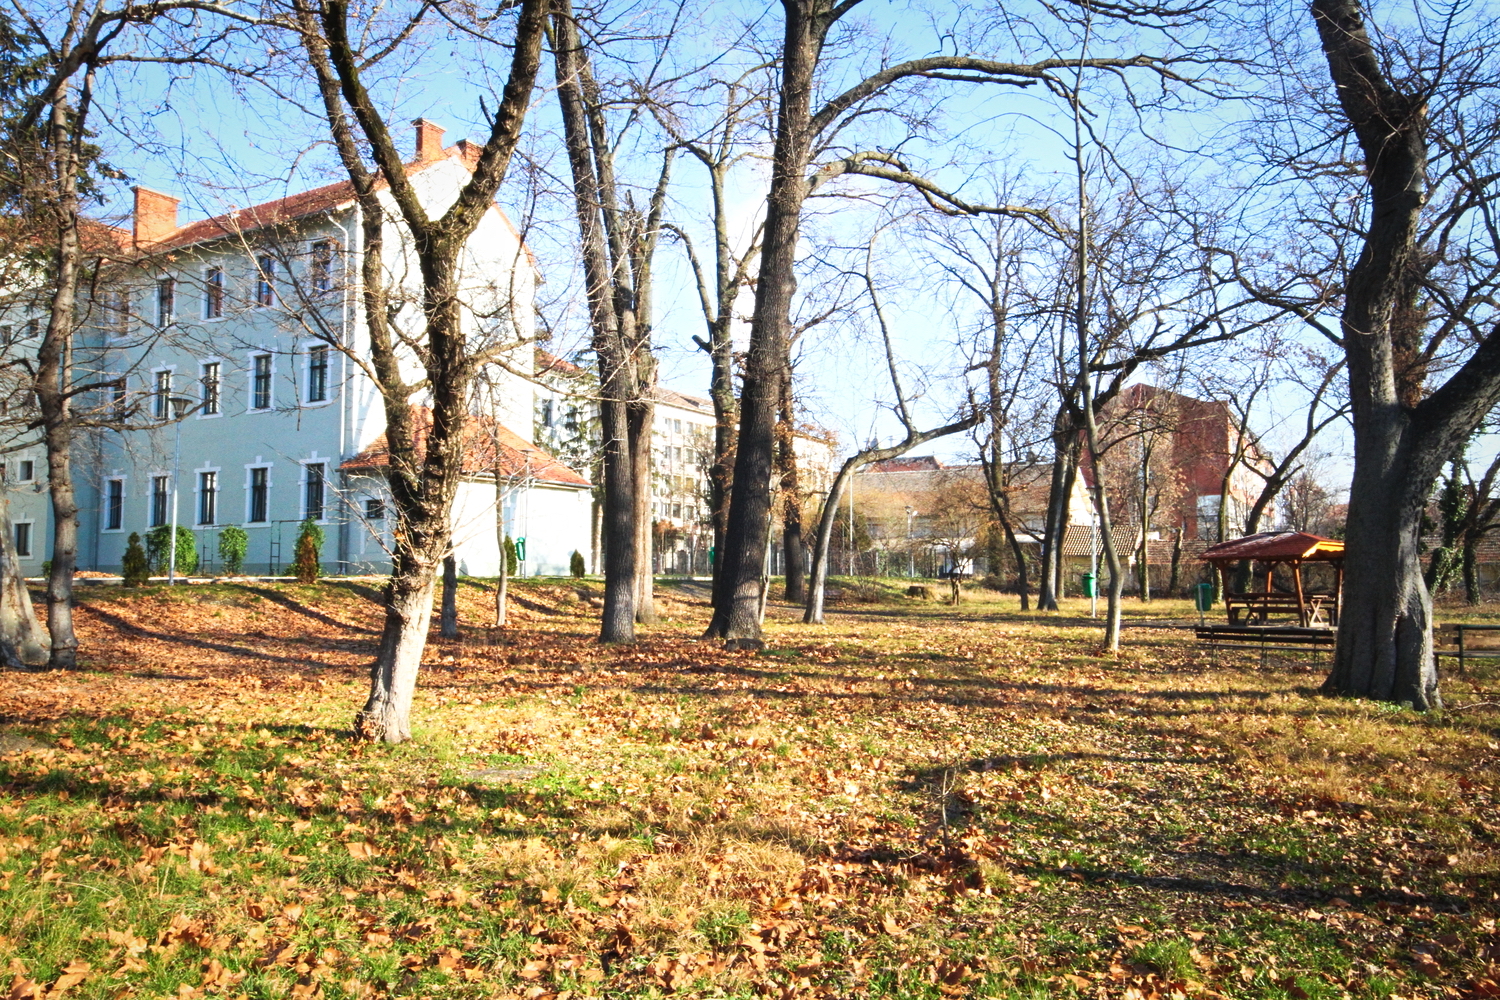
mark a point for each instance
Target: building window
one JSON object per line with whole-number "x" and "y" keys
{"x": 23, "y": 538}
{"x": 116, "y": 318}
{"x": 259, "y": 493}
{"x": 114, "y": 505}
{"x": 161, "y": 395}
{"x": 322, "y": 266}
{"x": 117, "y": 399}
{"x": 213, "y": 293}
{"x": 375, "y": 509}
{"x": 208, "y": 497}
{"x": 209, "y": 381}
{"x": 317, "y": 374}
{"x": 166, "y": 301}
{"x": 265, "y": 281}
{"x": 27, "y": 470}
{"x": 312, "y": 496}
{"x": 159, "y": 495}
{"x": 260, "y": 382}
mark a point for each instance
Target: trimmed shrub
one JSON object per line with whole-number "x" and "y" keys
{"x": 308, "y": 555}
{"x": 576, "y": 565}
{"x": 134, "y": 567}
{"x": 512, "y": 564}
{"x": 159, "y": 552}
{"x": 234, "y": 545}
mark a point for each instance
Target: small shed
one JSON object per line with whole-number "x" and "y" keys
{"x": 1270, "y": 549}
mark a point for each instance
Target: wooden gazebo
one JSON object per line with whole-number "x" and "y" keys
{"x": 1269, "y": 549}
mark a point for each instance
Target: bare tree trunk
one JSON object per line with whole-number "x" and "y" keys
{"x": 1402, "y": 436}
{"x": 1066, "y": 449}
{"x": 1174, "y": 581}
{"x": 791, "y": 497}
{"x": 422, "y": 482}
{"x": 642, "y": 414}
{"x": 1023, "y": 586}
{"x": 448, "y": 628}
{"x": 393, "y": 678}
{"x": 503, "y": 581}
{"x": 54, "y": 380}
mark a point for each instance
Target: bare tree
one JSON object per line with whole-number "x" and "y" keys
{"x": 426, "y": 464}
{"x": 800, "y": 129}
{"x": 1418, "y": 298}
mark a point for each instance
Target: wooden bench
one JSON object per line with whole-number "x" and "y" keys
{"x": 1459, "y": 641}
{"x": 1261, "y": 638}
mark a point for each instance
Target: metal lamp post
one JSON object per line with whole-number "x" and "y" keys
{"x": 911, "y": 554}
{"x": 180, "y": 406}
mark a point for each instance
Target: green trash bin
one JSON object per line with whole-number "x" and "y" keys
{"x": 1090, "y": 585}
{"x": 1203, "y": 596}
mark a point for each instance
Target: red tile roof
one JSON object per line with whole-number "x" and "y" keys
{"x": 487, "y": 443}
{"x": 327, "y": 198}
{"x": 1276, "y": 546}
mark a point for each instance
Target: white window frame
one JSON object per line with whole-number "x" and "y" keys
{"x": 166, "y": 311}
{"x": 329, "y": 280}
{"x": 198, "y": 496}
{"x": 259, "y": 463}
{"x": 161, "y": 406}
{"x": 105, "y": 529}
{"x": 265, "y": 280}
{"x": 250, "y": 406}
{"x": 208, "y": 292}
{"x": 302, "y": 488}
{"x": 21, "y": 464}
{"x": 14, "y": 540}
{"x": 203, "y": 413}
{"x": 166, "y": 509}
{"x": 307, "y": 373}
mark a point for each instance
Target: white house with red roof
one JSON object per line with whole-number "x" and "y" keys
{"x": 252, "y": 321}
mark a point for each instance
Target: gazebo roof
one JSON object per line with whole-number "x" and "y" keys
{"x": 1276, "y": 546}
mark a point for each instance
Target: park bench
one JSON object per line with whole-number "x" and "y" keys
{"x": 1263, "y": 638}
{"x": 1466, "y": 642}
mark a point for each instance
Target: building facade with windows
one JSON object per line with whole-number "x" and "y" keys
{"x": 251, "y": 325}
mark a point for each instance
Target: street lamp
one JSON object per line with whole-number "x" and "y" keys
{"x": 180, "y": 406}
{"x": 911, "y": 555}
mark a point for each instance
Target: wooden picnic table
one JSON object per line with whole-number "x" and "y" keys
{"x": 1310, "y": 609}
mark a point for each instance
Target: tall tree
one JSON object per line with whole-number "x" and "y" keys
{"x": 426, "y": 463}
{"x": 1423, "y": 281}
{"x": 48, "y": 77}
{"x": 618, "y": 247}
{"x": 800, "y": 126}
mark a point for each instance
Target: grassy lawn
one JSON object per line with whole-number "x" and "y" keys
{"x": 914, "y": 800}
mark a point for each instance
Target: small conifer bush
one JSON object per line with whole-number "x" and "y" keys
{"x": 308, "y": 555}
{"x": 134, "y": 567}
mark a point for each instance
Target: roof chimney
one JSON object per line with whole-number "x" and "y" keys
{"x": 429, "y": 141}
{"x": 155, "y": 216}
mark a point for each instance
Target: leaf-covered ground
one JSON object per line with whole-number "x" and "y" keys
{"x": 912, "y": 801}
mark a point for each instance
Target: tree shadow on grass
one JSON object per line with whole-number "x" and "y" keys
{"x": 277, "y": 597}
{"x": 132, "y": 629}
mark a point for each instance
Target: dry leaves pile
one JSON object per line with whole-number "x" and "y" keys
{"x": 908, "y": 802}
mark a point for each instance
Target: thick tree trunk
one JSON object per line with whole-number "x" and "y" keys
{"x": 766, "y": 363}
{"x": 448, "y": 628}
{"x": 393, "y": 677}
{"x": 1385, "y": 633}
{"x": 54, "y": 377}
{"x": 1471, "y": 572}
